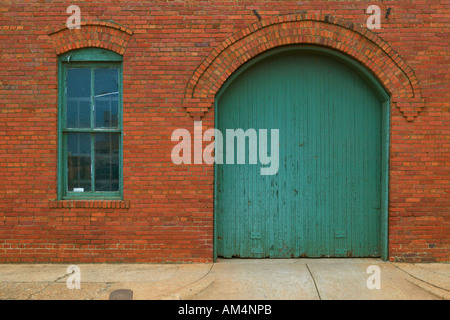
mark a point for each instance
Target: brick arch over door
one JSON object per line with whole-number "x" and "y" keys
{"x": 314, "y": 29}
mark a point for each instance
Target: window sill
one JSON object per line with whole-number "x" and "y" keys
{"x": 105, "y": 204}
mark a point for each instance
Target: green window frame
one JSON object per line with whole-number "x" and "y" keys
{"x": 90, "y": 133}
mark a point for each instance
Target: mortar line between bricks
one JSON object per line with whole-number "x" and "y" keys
{"x": 315, "y": 285}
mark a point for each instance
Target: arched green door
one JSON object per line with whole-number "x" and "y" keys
{"x": 326, "y": 199}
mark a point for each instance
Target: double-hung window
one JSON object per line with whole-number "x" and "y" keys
{"x": 90, "y": 125}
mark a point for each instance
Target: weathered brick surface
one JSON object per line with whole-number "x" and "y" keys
{"x": 177, "y": 54}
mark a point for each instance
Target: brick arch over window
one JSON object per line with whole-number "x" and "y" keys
{"x": 99, "y": 34}
{"x": 314, "y": 29}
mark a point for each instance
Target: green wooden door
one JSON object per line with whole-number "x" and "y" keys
{"x": 325, "y": 200}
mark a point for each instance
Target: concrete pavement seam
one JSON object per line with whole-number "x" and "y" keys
{"x": 437, "y": 291}
{"x": 173, "y": 294}
{"x": 108, "y": 285}
{"x": 210, "y": 268}
{"x": 315, "y": 285}
{"x": 427, "y": 270}
{"x": 423, "y": 286}
{"x": 420, "y": 279}
{"x": 48, "y": 285}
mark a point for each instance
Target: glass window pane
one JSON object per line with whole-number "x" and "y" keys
{"x": 78, "y": 98}
{"x": 79, "y": 162}
{"x": 106, "y": 99}
{"x": 107, "y": 161}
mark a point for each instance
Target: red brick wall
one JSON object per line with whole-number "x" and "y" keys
{"x": 167, "y": 212}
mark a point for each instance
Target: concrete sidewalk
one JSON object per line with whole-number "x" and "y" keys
{"x": 239, "y": 279}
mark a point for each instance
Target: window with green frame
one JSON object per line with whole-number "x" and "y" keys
{"x": 90, "y": 125}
